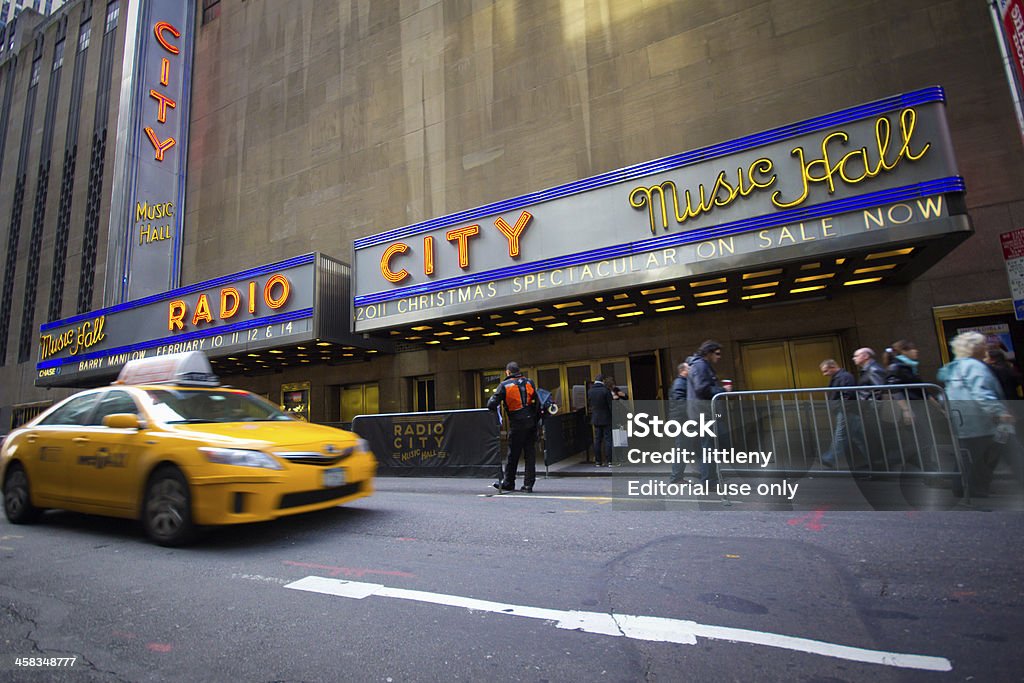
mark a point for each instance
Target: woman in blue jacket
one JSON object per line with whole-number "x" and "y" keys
{"x": 973, "y": 393}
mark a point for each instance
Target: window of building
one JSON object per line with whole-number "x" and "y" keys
{"x": 487, "y": 383}
{"x": 21, "y": 414}
{"x": 58, "y": 55}
{"x": 113, "y": 9}
{"x": 211, "y": 10}
{"x": 423, "y": 397}
{"x": 36, "y": 65}
{"x": 84, "y": 34}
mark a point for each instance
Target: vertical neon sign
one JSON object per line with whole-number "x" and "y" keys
{"x": 147, "y": 203}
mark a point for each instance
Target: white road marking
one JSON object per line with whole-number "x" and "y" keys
{"x": 610, "y": 499}
{"x": 599, "y": 499}
{"x": 658, "y": 629}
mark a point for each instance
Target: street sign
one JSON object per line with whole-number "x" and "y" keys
{"x": 1013, "y": 254}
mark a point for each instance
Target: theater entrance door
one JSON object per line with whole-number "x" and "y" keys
{"x": 790, "y": 363}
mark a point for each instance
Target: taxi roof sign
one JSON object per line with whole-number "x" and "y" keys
{"x": 190, "y": 367}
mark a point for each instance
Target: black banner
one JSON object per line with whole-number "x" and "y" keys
{"x": 457, "y": 443}
{"x": 566, "y": 434}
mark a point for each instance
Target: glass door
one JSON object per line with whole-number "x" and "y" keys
{"x": 423, "y": 398}
{"x": 550, "y": 378}
{"x": 578, "y": 377}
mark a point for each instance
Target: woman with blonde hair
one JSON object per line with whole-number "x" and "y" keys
{"x": 974, "y": 393}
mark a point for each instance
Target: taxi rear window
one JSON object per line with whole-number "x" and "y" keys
{"x": 184, "y": 406}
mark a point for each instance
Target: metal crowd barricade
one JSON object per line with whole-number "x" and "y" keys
{"x": 799, "y": 425}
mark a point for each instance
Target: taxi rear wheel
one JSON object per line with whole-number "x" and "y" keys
{"x": 167, "y": 510}
{"x": 17, "y": 499}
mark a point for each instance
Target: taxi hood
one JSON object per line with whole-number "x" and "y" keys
{"x": 271, "y": 435}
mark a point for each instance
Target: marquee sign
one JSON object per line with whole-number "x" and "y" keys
{"x": 147, "y": 207}
{"x": 879, "y": 172}
{"x": 266, "y": 307}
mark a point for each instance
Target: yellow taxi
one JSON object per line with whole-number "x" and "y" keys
{"x": 166, "y": 444}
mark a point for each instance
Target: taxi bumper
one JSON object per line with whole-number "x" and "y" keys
{"x": 266, "y": 495}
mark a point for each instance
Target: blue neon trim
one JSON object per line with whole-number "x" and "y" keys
{"x": 184, "y": 291}
{"x": 189, "y": 336}
{"x": 143, "y": 48}
{"x": 818, "y": 123}
{"x": 823, "y": 210}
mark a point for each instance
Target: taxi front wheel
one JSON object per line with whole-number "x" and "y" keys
{"x": 17, "y": 500}
{"x": 167, "y": 510}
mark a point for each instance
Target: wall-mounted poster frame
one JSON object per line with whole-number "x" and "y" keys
{"x": 995, "y": 319}
{"x": 295, "y": 399}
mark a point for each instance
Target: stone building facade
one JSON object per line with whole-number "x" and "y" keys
{"x": 313, "y": 125}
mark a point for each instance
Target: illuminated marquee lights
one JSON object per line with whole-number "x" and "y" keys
{"x": 230, "y": 302}
{"x": 824, "y": 165}
{"x": 460, "y": 236}
{"x": 160, "y": 29}
{"x": 512, "y": 233}
{"x": 852, "y": 168}
{"x": 428, "y": 255}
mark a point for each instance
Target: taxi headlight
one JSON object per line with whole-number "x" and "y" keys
{"x": 360, "y": 445}
{"x": 240, "y": 457}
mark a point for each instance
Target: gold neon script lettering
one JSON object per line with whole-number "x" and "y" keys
{"x": 723, "y": 193}
{"x": 855, "y": 166}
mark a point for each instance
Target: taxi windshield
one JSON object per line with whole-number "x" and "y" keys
{"x": 188, "y": 406}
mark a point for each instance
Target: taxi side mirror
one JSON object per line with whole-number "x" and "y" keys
{"x": 122, "y": 421}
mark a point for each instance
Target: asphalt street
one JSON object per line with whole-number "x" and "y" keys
{"x": 438, "y": 579}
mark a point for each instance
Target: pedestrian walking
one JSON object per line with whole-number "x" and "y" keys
{"x": 519, "y": 396}
{"x": 910, "y": 410}
{"x": 702, "y": 386}
{"x": 871, "y": 372}
{"x": 1008, "y": 375}
{"x": 973, "y": 391}
{"x": 677, "y": 412}
{"x": 599, "y": 398}
{"x": 848, "y": 429}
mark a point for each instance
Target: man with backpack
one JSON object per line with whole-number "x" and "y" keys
{"x": 523, "y": 407}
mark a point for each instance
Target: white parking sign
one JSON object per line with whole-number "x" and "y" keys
{"x": 1013, "y": 254}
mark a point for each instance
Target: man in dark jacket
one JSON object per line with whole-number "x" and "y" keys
{"x": 523, "y": 407}
{"x": 849, "y": 430}
{"x": 599, "y": 397}
{"x": 871, "y": 372}
{"x": 702, "y": 385}
{"x": 677, "y": 411}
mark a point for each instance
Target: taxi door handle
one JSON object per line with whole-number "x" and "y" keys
{"x": 80, "y": 439}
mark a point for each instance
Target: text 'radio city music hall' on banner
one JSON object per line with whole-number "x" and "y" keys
{"x": 876, "y": 173}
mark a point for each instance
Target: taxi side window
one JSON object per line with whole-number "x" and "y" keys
{"x": 113, "y": 402}
{"x": 74, "y": 412}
